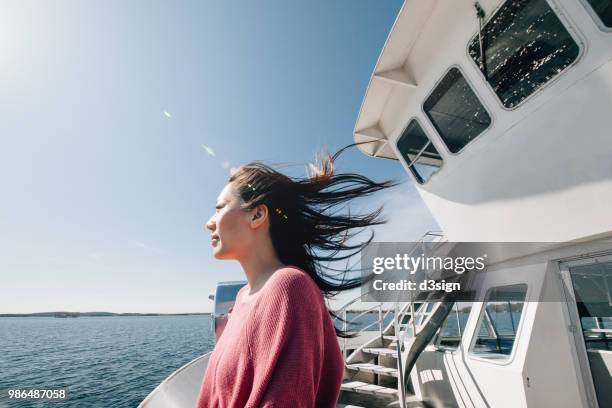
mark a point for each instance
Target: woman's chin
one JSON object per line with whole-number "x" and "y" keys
{"x": 218, "y": 253}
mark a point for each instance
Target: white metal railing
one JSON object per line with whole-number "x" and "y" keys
{"x": 418, "y": 315}
{"x": 378, "y": 306}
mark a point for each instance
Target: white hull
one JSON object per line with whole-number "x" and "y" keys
{"x": 181, "y": 388}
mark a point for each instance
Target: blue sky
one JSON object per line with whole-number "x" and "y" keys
{"x": 104, "y": 197}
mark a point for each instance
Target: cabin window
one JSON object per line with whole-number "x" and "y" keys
{"x": 455, "y": 111}
{"x": 499, "y": 322}
{"x": 453, "y": 327}
{"x": 525, "y": 46}
{"x": 593, "y": 290}
{"x": 603, "y": 9}
{"x": 420, "y": 155}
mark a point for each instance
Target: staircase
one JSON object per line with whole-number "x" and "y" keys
{"x": 371, "y": 373}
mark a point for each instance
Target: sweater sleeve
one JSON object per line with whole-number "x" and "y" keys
{"x": 286, "y": 343}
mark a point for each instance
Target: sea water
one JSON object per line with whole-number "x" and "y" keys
{"x": 105, "y": 362}
{"x": 102, "y": 361}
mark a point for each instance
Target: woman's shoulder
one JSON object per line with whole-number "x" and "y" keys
{"x": 291, "y": 278}
{"x": 290, "y": 285}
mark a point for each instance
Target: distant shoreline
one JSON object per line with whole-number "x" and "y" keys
{"x": 61, "y": 314}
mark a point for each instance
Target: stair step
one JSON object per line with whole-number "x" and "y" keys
{"x": 381, "y": 351}
{"x": 392, "y": 338}
{"x": 365, "y": 388}
{"x": 373, "y": 368}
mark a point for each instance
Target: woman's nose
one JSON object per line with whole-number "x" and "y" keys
{"x": 211, "y": 224}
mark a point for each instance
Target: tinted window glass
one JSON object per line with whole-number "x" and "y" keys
{"x": 603, "y": 8}
{"x": 499, "y": 321}
{"x": 592, "y": 287}
{"x": 455, "y": 111}
{"x": 418, "y": 152}
{"x": 454, "y": 325}
{"x": 225, "y": 296}
{"x": 525, "y": 45}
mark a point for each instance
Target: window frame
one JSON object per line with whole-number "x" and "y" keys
{"x": 401, "y": 156}
{"x": 478, "y": 96}
{"x": 578, "y": 39}
{"x": 519, "y": 328}
{"x": 598, "y": 22}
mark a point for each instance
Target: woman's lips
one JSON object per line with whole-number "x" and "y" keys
{"x": 214, "y": 240}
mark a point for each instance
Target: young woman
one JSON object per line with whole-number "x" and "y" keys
{"x": 279, "y": 348}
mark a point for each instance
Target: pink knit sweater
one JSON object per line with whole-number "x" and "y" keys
{"x": 278, "y": 350}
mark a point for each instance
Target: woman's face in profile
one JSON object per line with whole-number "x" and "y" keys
{"x": 229, "y": 226}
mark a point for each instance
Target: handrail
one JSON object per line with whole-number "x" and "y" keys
{"x": 400, "y": 371}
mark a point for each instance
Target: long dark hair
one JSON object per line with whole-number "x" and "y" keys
{"x": 307, "y": 226}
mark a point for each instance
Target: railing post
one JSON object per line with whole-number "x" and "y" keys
{"x": 413, "y": 318}
{"x": 344, "y": 327}
{"x": 400, "y": 372}
{"x": 380, "y": 320}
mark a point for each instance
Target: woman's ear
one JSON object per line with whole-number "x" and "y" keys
{"x": 259, "y": 215}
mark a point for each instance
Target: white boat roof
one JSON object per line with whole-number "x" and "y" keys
{"x": 391, "y": 74}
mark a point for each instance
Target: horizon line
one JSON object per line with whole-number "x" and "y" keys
{"x": 100, "y": 312}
